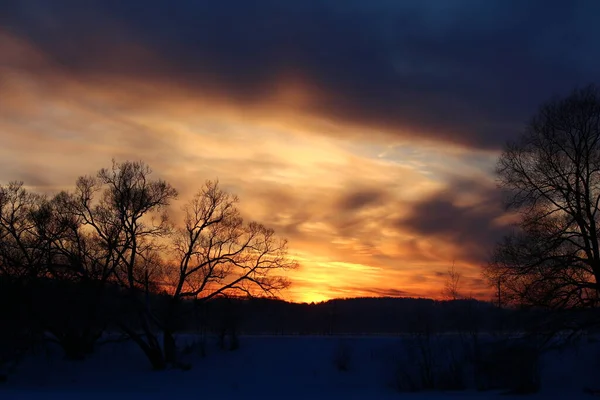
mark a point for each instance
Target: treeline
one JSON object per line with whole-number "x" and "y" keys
{"x": 108, "y": 256}
{"x": 377, "y": 316}
{"x": 81, "y": 262}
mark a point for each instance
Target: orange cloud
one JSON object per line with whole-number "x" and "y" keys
{"x": 342, "y": 200}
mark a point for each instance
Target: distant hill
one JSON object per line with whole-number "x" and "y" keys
{"x": 378, "y": 315}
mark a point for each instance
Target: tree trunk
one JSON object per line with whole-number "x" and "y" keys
{"x": 170, "y": 348}
{"x": 151, "y": 349}
{"x": 169, "y": 345}
{"x": 156, "y": 359}
{"x": 153, "y": 353}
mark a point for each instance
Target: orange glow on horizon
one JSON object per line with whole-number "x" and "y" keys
{"x": 337, "y": 191}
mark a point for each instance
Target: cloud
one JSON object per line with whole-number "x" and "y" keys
{"x": 375, "y": 292}
{"x": 361, "y": 198}
{"x": 468, "y": 214}
{"x": 336, "y": 202}
{"x": 458, "y": 71}
{"x": 364, "y": 132}
{"x": 329, "y": 199}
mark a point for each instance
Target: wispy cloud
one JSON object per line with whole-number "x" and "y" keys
{"x": 365, "y": 133}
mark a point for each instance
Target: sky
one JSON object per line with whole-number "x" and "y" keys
{"x": 364, "y": 132}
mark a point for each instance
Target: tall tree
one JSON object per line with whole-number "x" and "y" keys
{"x": 216, "y": 252}
{"x": 22, "y": 258}
{"x": 124, "y": 208}
{"x": 23, "y": 252}
{"x": 551, "y": 175}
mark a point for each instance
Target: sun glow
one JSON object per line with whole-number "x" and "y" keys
{"x": 340, "y": 193}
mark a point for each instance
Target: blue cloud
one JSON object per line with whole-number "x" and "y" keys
{"x": 464, "y": 71}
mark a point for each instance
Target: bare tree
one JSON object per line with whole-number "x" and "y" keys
{"x": 217, "y": 253}
{"x": 114, "y": 230}
{"x": 22, "y": 253}
{"x": 452, "y": 284}
{"x": 552, "y": 178}
{"x": 70, "y": 302}
{"x": 124, "y": 209}
{"x": 46, "y": 251}
{"x": 21, "y": 264}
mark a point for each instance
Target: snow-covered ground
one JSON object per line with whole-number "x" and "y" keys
{"x": 271, "y": 367}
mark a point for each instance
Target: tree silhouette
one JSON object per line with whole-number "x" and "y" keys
{"x": 551, "y": 176}
{"x": 213, "y": 253}
{"x": 216, "y": 252}
{"x": 451, "y": 289}
{"x": 125, "y": 211}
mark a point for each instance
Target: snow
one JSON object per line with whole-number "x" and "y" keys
{"x": 268, "y": 367}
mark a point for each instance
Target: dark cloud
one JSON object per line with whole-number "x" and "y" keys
{"x": 464, "y": 71}
{"x": 34, "y": 178}
{"x": 441, "y": 218}
{"x": 470, "y": 227}
{"x": 360, "y": 198}
{"x": 383, "y": 292}
{"x": 478, "y": 282}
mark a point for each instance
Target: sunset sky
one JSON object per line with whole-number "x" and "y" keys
{"x": 365, "y": 132}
